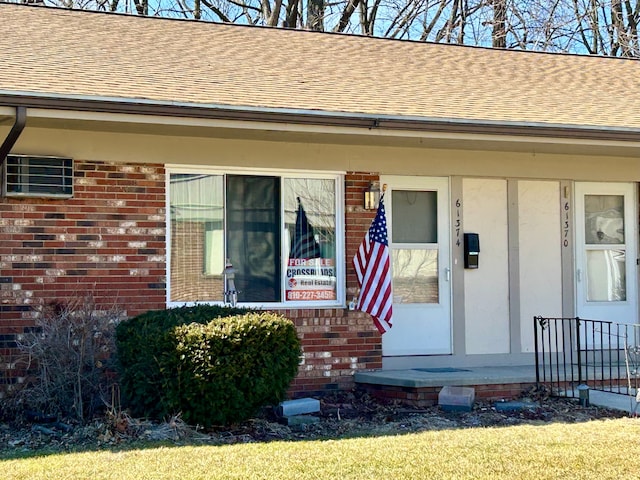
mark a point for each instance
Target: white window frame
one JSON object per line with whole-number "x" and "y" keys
{"x": 338, "y": 178}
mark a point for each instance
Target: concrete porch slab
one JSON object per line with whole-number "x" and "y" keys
{"x": 431, "y": 380}
{"x": 424, "y": 377}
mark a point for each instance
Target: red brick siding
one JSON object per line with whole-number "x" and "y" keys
{"x": 428, "y": 396}
{"x": 110, "y": 239}
{"x": 335, "y": 344}
{"x": 357, "y": 221}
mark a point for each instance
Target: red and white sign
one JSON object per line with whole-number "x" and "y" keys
{"x": 311, "y": 279}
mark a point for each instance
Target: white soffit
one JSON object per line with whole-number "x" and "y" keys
{"x": 318, "y": 133}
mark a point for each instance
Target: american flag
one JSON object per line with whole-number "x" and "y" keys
{"x": 304, "y": 244}
{"x": 374, "y": 274}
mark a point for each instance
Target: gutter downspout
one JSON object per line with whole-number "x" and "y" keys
{"x": 14, "y": 134}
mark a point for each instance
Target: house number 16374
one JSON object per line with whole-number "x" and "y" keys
{"x": 565, "y": 225}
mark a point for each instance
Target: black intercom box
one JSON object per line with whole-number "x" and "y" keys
{"x": 471, "y": 250}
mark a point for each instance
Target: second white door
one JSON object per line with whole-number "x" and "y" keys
{"x": 606, "y": 253}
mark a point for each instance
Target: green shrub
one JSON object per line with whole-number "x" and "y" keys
{"x": 231, "y": 367}
{"x": 215, "y": 371}
{"x": 147, "y": 355}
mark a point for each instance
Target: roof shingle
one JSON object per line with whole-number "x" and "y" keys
{"x": 79, "y": 53}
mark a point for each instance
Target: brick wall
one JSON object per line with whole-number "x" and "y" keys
{"x": 109, "y": 239}
{"x": 428, "y": 396}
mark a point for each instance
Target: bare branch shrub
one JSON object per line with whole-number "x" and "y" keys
{"x": 70, "y": 355}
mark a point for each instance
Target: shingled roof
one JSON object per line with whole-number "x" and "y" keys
{"x": 59, "y": 53}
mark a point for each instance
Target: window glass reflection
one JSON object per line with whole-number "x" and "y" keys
{"x": 415, "y": 276}
{"x": 606, "y": 276}
{"x": 604, "y": 219}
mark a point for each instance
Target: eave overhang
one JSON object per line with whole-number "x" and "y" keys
{"x": 351, "y": 123}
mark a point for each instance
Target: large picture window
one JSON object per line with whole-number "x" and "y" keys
{"x": 279, "y": 233}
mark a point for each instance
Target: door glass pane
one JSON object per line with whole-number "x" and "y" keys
{"x": 415, "y": 216}
{"x": 604, "y": 219}
{"x": 606, "y": 276}
{"x": 415, "y": 276}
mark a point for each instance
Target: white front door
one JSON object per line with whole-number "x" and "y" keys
{"x": 606, "y": 252}
{"x": 418, "y": 219}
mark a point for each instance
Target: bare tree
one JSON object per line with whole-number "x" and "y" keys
{"x": 499, "y": 34}
{"x": 597, "y": 27}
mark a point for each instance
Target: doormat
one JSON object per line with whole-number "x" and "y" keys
{"x": 440, "y": 370}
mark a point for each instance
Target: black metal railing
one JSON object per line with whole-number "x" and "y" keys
{"x": 574, "y": 351}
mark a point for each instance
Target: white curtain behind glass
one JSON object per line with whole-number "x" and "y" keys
{"x": 197, "y": 222}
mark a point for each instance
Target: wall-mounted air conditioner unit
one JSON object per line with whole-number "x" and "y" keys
{"x": 35, "y": 176}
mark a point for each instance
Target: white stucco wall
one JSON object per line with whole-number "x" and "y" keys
{"x": 539, "y": 230}
{"x": 215, "y": 147}
{"x": 487, "y": 288}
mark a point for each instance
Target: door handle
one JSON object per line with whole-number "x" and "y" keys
{"x": 447, "y": 274}
{"x": 579, "y": 274}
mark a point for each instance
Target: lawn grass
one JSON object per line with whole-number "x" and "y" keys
{"x": 605, "y": 449}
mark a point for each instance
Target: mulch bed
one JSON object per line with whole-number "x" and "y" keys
{"x": 343, "y": 414}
